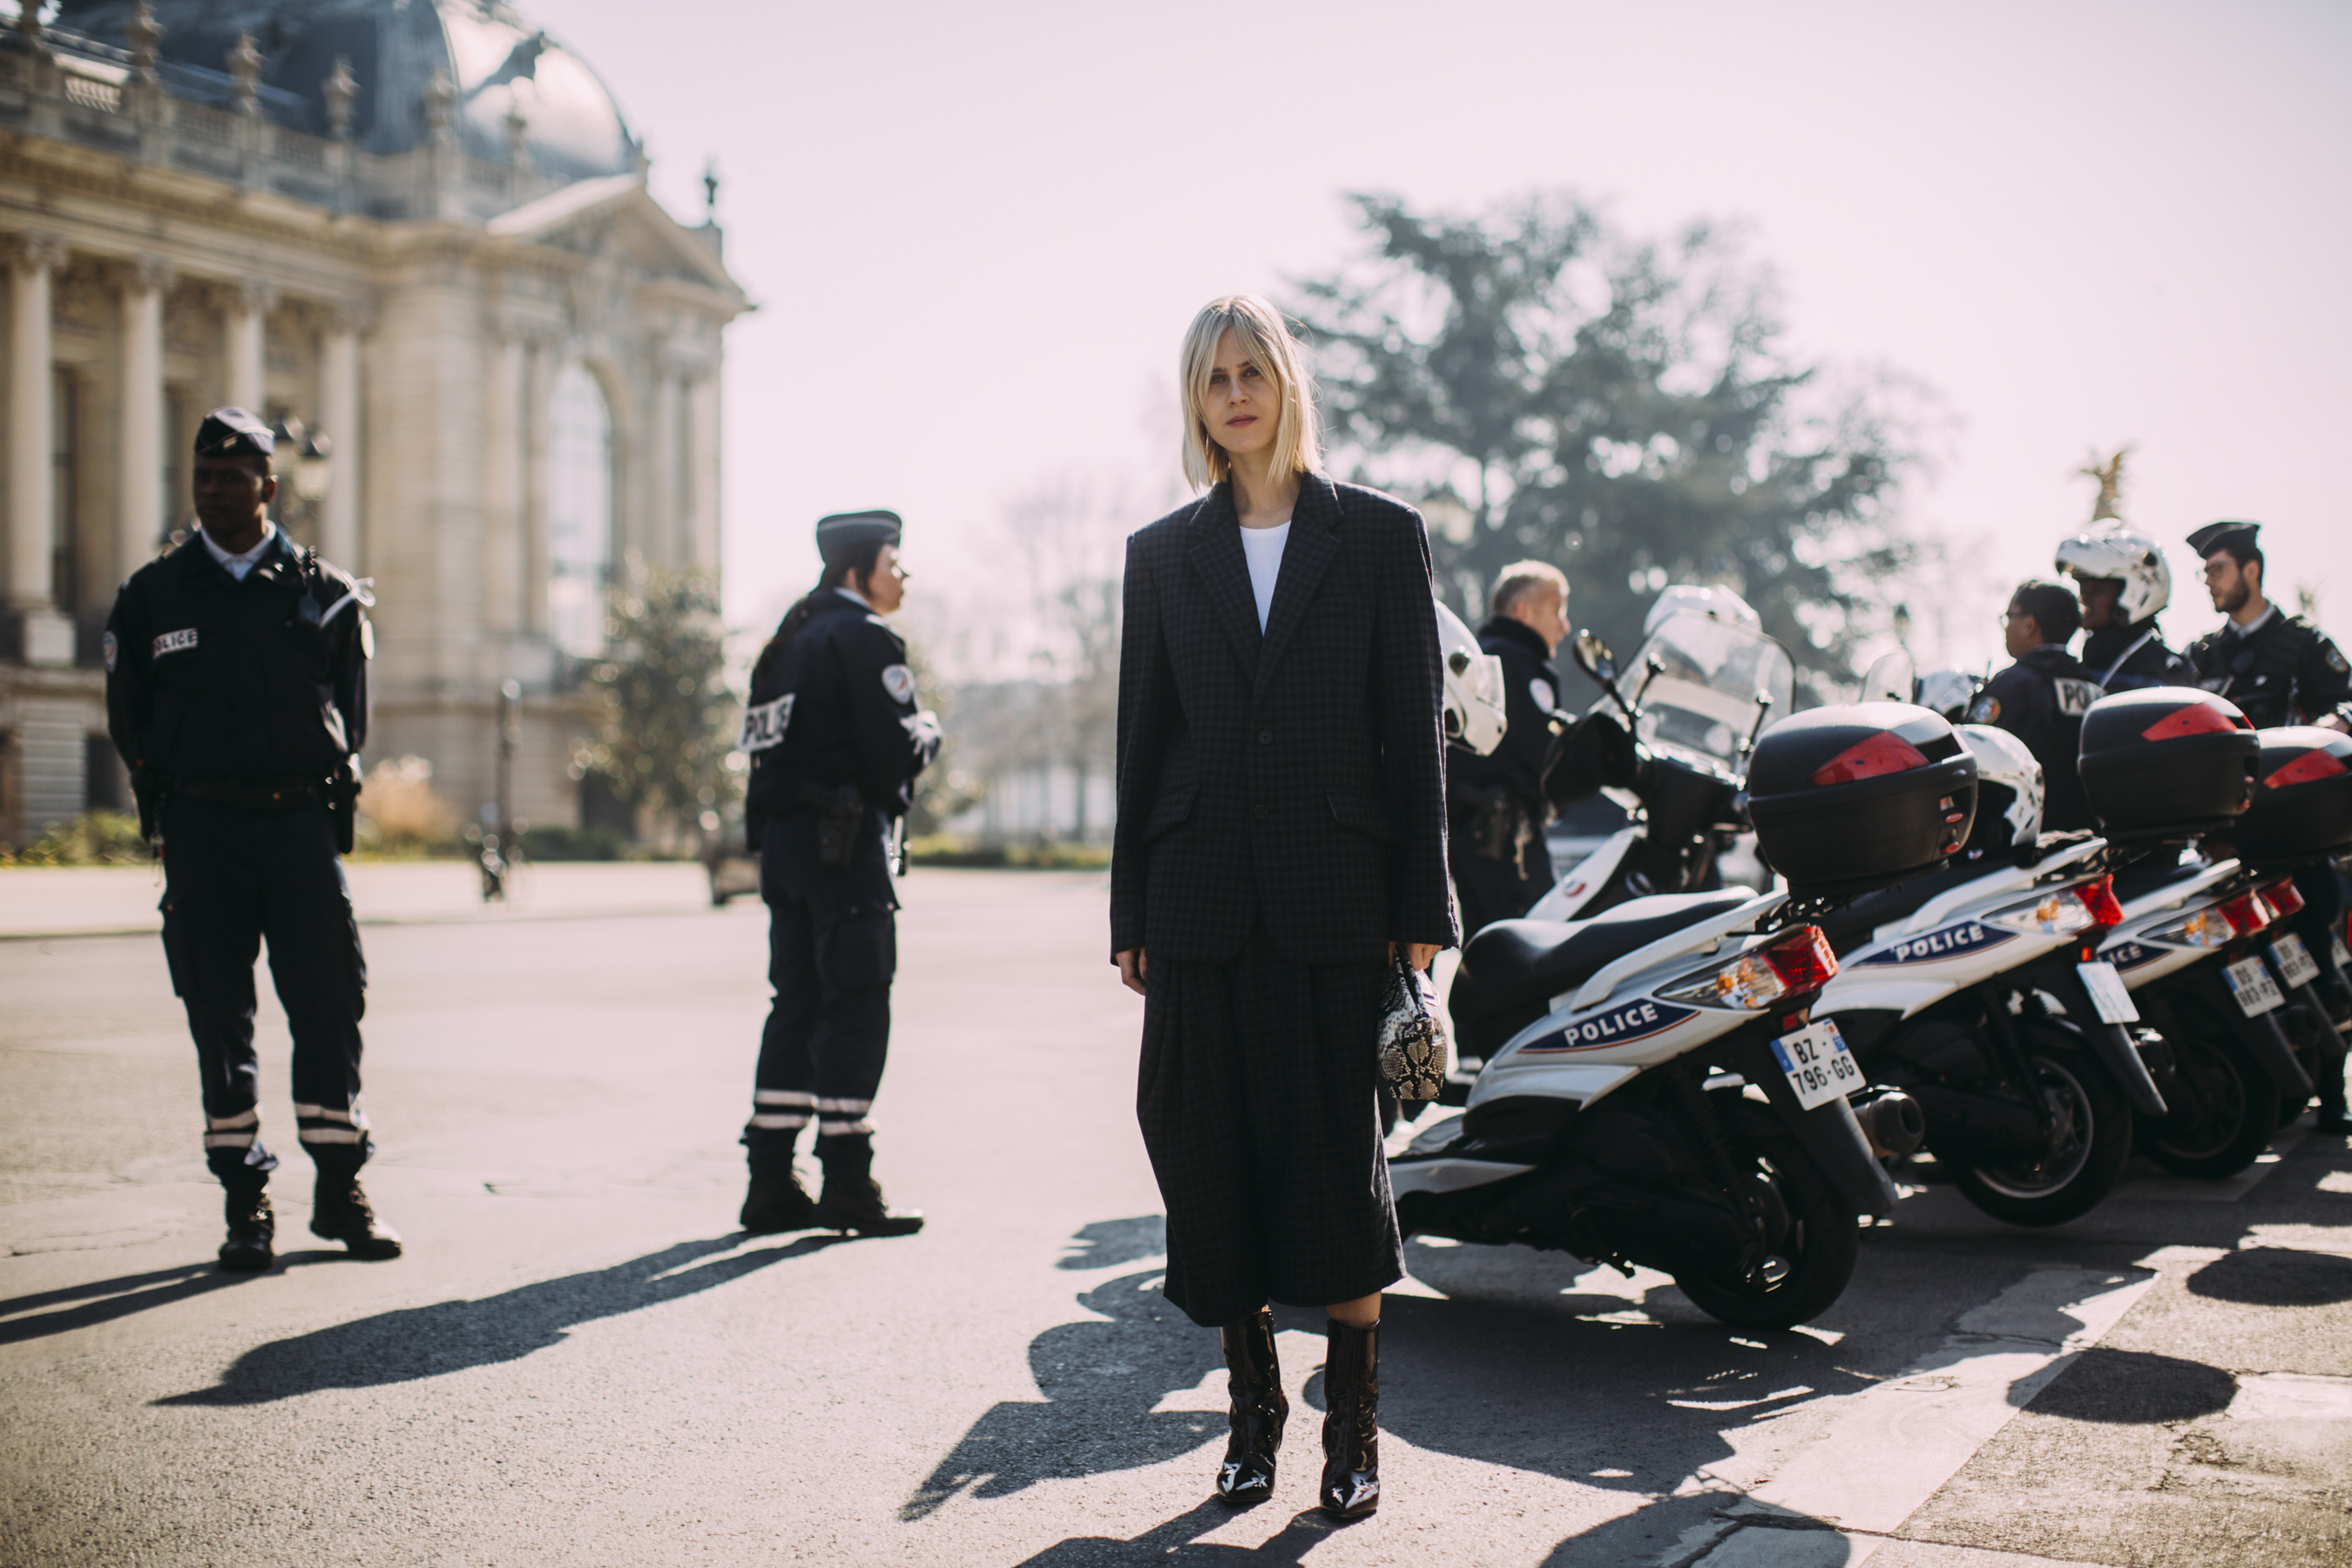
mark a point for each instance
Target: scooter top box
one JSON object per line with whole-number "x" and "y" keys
{"x": 2302, "y": 798}
{"x": 2167, "y": 763}
{"x": 1858, "y": 796}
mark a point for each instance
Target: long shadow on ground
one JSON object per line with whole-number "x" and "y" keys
{"x": 451, "y": 1336}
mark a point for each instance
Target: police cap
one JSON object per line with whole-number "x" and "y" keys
{"x": 2233, "y": 537}
{"x": 845, "y": 531}
{"x": 234, "y": 433}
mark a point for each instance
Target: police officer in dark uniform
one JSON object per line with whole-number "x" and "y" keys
{"x": 1496, "y": 805}
{"x": 2124, "y": 584}
{"x": 2279, "y": 670}
{"x": 2042, "y": 697}
{"x": 236, "y": 691}
{"x": 836, "y": 741}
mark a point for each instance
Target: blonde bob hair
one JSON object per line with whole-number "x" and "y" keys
{"x": 1265, "y": 338}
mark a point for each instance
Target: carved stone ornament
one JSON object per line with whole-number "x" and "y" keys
{"x": 440, "y": 94}
{"x": 143, "y": 33}
{"x": 45, "y": 252}
{"x": 339, "y": 90}
{"x": 245, "y": 63}
{"x": 145, "y": 274}
{"x": 255, "y": 296}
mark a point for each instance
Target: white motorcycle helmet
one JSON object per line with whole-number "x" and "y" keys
{"x": 1716, "y": 603}
{"x": 2137, "y": 562}
{"x": 2009, "y": 788}
{"x": 1947, "y": 692}
{"x": 1474, "y": 687}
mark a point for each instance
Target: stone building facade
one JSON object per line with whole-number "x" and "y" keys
{"x": 422, "y": 229}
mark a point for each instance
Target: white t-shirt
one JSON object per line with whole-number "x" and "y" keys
{"x": 1264, "y": 548}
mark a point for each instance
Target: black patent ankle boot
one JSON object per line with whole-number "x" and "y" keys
{"x": 1351, "y": 1424}
{"x": 1253, "y": 1382}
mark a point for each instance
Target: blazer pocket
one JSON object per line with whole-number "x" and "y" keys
{"x": 1362, "y": 815}
{"x": 1170, "y": 813}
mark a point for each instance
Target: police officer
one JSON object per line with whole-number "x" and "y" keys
{"x": 237, "y": 692}
{"x": 2042, "y": 697}
{"x": 2124, "y": 583}
{"x": 2278, "y": 669}
{"x": 836, "y": 741}
{"x": 1496, "y": 804}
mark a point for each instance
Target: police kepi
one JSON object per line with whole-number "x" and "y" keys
{"x": 236, "y": 691}
{"x": 2278, "y": 669}
{"x": 836, "y": 742}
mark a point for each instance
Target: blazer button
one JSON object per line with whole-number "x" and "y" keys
{"x": 1265, "y": 737}
{"x": 1258, "y": 812}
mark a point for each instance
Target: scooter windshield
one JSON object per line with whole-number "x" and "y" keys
{"x": 1696, "y": 683}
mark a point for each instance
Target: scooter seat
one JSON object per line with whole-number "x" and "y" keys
{"x": 1513, "y": 965}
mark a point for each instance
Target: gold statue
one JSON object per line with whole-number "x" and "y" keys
{"x": 2110, "y": 475}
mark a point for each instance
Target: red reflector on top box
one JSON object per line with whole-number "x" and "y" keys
{"x": 1880, "y": 754}
{"x": 2303, "y": 811}
{"x": 2170, "y": 762}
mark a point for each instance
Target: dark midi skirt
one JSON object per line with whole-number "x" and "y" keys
{"x": 1259, "y": 1102}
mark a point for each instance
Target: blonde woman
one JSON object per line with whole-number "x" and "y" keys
{"x": 1281, "y": 831}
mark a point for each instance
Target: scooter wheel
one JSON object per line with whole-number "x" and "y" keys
{"x": 2094, "y": 1139}
{"x": 2224, "y": 1108}
{"x": 1806, "y": 1271}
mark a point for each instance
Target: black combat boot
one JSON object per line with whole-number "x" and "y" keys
{"x": 339, "y": 1211}
{"x": 1352, "y": 1425}
{"x": 852, "y": 1200}
{"x": 1253, "y": 1382}
{"x": 252, "y": 1228}
{"x": 776, "y": 1203}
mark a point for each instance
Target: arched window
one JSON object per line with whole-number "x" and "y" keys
{"x": 578, "y": 511}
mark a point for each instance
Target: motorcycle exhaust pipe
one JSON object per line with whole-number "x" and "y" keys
{"x": 1893, "y": 1124}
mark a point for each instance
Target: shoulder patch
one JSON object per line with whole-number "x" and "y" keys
{"x": 899, "y": 682}
{"x": 108, "y": 647}
{"x": 2336, "y": 660}
{"x": 1541, "y": 690}
{"x": 1986, "y": 712}
{"x": 176, "y": 642}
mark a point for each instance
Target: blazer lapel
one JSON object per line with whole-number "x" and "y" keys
{"x": 1217, "y": 556}
{"x": 1314, "y": 542}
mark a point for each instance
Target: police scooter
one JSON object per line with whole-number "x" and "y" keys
{"x": 1973, "y": 990}
{"x": 1705, "y": 681}
{"x": 1656, "y": 1090}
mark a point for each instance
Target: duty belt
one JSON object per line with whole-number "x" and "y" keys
{"x": 254, "y": 794}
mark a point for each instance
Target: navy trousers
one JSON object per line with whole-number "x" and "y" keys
{"x": 233, "y": 878}
{"x": 831, "y": 960}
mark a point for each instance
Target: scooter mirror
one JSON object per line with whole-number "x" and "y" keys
{"x": 1593, "y": 657}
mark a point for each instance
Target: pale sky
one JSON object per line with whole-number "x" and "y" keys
{"x": 976, "y": 232}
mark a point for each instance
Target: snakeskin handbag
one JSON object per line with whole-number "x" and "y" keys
{"x": 1413, "y": 1048}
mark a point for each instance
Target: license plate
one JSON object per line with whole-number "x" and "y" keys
{"x": 2343, "y": 953}
{"x": 2251, "y": 985}
{"x": 2295, "y": 965}
{"x": 2109, "y": 999}
{"x": 1819, "y": 1066}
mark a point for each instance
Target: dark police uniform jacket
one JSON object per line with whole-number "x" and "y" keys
{"x": 2284, "y": 671}
{"x": 2128, "y": 658}
{"x": 835, "y": 706}
{"x": 2041, "y": 699}
{"x": 263, "y": 680}
{"x": 1297, "y": 772}
{"x": 1531, "y": 701}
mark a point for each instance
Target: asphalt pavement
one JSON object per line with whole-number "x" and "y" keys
{"x": 581, "y": 1361}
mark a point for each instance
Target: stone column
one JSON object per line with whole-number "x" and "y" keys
{"x": 705, "y": 431}
{"x": 340, "y": 417}
{"x": 539, "y": 365}
{"x": 32, "y": 501}
{"x": 247, "y": 303}
{"x": 662, "y": 543}
{"x": 505, "y": 551}
{"x": 141, "y": 502}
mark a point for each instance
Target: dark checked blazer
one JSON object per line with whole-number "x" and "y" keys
{"x": 1300, "y": 773}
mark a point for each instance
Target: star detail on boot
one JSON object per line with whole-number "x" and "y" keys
{"x": 1361, "y": 1493}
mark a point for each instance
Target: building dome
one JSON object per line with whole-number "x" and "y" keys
{"x": 498, "y": 64}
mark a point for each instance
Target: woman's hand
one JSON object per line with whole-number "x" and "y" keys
{"x": 1131, "y": 969}
{"x": 1421, "y": 954}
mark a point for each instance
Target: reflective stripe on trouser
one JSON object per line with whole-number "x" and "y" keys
{"x": 828, "y": 1032}
{"x": 233, "y": 878}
